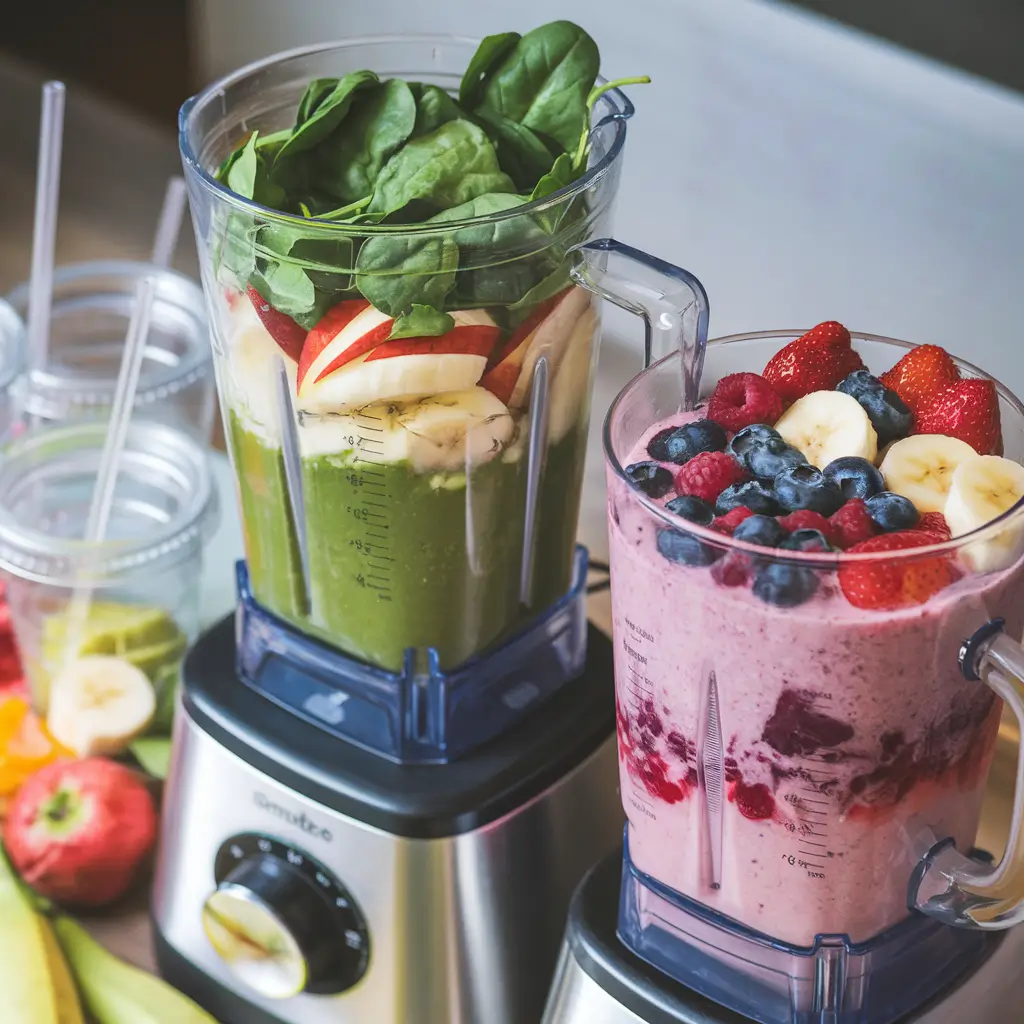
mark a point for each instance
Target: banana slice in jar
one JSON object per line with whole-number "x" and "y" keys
{"x": 981, "y": 489}
{"x": 828, "y": 425}
{"x": 921, "y": 468}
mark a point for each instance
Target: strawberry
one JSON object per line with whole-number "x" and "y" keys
{"x": 852, "y": 524}
{"x": 708, "y": 474}
{"x": 734, "y": 570}
{"x": 727, "y": 524}
{"x": 805, "y": 519}
{"x": 816, "y": 361}
{"x": 884, "y": 584}
{"x": 289, "y": 335}
{"x": 934, "y": 522}
{"x": 741, "y": 399}
{"x": 968, "y": 410}
{"x": 920, "y": 373}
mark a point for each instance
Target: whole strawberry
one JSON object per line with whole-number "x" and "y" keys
{"x": 805, "y": 519}
{"x": 816, "y": 361}
{"x": 852, "y": 524}
{"x": 884, "y": 584}
{"x": 967, "y": 410}
{"x": 921, "y": 373}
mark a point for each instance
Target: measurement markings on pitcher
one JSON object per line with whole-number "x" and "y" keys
{"x": 639, "y": 689}
{"x": 370, "y": 510}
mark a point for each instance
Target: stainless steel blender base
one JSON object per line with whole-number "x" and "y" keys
{"x": 599, "y": 981}
{"x": 463, "y": 926}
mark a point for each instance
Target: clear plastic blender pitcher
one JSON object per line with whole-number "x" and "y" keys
{"x": 813, "y": 769}
{"x": 403, "y": 497}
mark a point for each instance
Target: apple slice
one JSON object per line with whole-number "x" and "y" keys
{"x": 570, "y": 388}
{"x": 289, "y": 335}
{"x": 406, "y": 367}
{"x": 345, "y": 332}
{"x": 551, "y": 338}
{"x": 504, "y": 368}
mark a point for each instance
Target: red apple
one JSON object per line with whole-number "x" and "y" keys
{"x": 78, "y": 831}
{"x": 504, "y": 367}
{"x": 467, "y": 340}
{"x": 289, "y": 335}
{"x": 343, "y": 333}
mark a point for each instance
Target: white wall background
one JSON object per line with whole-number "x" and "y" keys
{"x": 803, "y": 171}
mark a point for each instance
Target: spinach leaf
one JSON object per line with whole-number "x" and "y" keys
{"x": 235, "y": 252}
{"x": 421, "y": 322}
{"x": 327, "y": 114}
{"x": 396, "y": 272}
{"x": 557, "y": 281}
{"x": 434, "y": 107}
{"x": 289, "y": 289}
{"x": 247, "y": 175}
{"x": 579, "y": 160}
{"x": 488, "y": 53}
{"x": 446, "y": 168}
{"x": 381, "y": 118}
{"x": 316, "y": 92}
{"x": 543, "y": 82}
{"x": 562, "y": 173}
{"x": 521, "y": 154}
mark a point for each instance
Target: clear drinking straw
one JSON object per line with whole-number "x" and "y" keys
{"x": 169, "y": 225}
{"x": 44, "y": 230}
{"x": 110, "y": 459}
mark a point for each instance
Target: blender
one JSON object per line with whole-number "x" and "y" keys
{"x": 802, "y": 775}
{"x": 395, "y": 763}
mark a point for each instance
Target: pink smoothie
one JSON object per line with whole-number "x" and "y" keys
{"x": 844, "y": 731}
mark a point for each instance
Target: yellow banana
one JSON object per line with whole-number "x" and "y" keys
{"x": 117, "y": 993}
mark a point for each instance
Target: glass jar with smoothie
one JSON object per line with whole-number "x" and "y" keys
{"x": 796, "y": 560}
{"x": 388, "y": 230}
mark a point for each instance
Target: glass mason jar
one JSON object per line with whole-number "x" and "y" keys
{"x": 144, "y": 578}
{"x": 92, "y": 305}
{"x": 399, "y": 495}
{"x": 801, "y": 764}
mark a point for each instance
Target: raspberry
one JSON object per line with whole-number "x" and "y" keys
{"x": 727, "y": 524}
{"x": 852, "y": 524}
{"x": 732, "y": 571}
{"x": 805, "y": 519}
{"x": 708, "y": 474}
{"x": 934, "y": 522}
{"x": 742, "y": 399}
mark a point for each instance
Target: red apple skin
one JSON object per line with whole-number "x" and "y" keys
{"x": 289, "y": 335}
{"x": 328, "y": 327}
{"x": 88, "y": 856}
{"x": 464, "y": 340}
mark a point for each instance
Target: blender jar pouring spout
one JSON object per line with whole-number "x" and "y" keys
{"x": 671, "y": 301}
{"x": 948, "y": 885}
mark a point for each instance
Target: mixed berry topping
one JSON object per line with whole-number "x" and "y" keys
{"x": 818, "y": 455}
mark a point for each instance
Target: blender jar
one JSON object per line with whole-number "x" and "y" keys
{"x": 395, "y": 494}
{"x": 143, "y": 578}
{"x": 91, "y": 308}
{"x": 800, "y": 767}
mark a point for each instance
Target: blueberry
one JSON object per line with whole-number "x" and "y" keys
{"x": 785, "y": 585}
{"x": 892, "y": 511}
{"x": 889, "y": 414}
{"x": 855, "y": 478}
{"x": 689, "y": 507}
{"x": 755, "y": 435}
{"x": 806, "y": 540}
{"x": 767, "y": 461}
{"x": 654, "y": 480}
{"x": 680, "y": 444}
{"x": 806, "y": 487}
{"x": 685, "y": 549}
{"x": 761, "y": 530}
{"x": 753, "y": 494}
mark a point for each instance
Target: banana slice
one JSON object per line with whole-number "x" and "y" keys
{"x": 827, "y": 425}
{"x": 440, "y": 432}
{"x": 920, "y": 467}
{"x": 982, "y": 488}
{"x": 99, "y": 704}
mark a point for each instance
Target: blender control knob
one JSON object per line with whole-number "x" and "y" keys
{"x": 283, "y": 925}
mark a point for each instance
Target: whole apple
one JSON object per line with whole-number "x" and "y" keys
{"x": 77, "y": 831}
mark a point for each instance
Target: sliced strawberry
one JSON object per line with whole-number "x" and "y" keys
{"x": 884, "y": 584}
{"x": 468, "y": 340}
{"x": 289, "y": 335}
{"x": 921, "y": 373}
{"x": 968, "y": 410}
{"x": 852, "y": 524}
{"x": 816, "y": 361}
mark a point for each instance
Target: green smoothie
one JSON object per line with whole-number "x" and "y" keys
{"x": 405, "y": 559}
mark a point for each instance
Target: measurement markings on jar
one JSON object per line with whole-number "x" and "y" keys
{"x": 639, "y": 693}
{"x": 370, "y": 509}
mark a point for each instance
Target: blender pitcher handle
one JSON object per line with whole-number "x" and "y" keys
{"x": 947, "y": 884}
{"x": 671, "y": 301}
